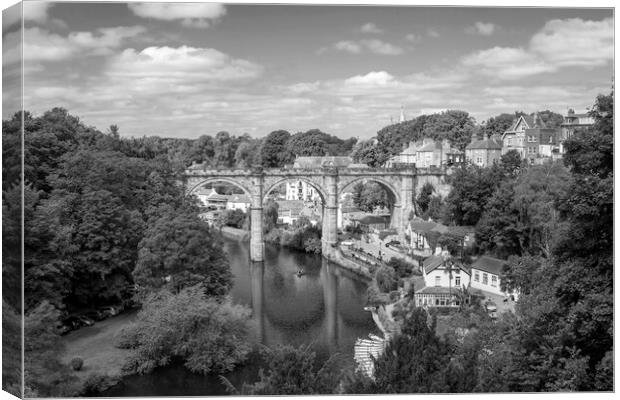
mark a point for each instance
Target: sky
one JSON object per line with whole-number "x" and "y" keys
{"x": 184, "y": 70}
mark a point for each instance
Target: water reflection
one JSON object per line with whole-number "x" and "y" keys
{"x": 323, "y": 309}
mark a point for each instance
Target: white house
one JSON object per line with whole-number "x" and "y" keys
{"x": 300, "y": 190}
{"x": 423, "y": 236}
{"x": 238, "y": 202}
{"x": 211, "y": 198}
{"x": 443, "y": 280}
{"x": 485, "y": 275}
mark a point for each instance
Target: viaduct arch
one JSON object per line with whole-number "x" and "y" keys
{"x": 329, "y": 181}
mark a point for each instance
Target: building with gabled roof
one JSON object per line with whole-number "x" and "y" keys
{"x": 443, "y": 280}
{"x": 484, "y": 152}
{"x": 573, "y": 122}
{"x": 514, "y": 138}
{"x": 486, "y": 274}
{"x": 238, "y": 202}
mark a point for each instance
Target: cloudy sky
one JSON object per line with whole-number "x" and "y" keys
{"x": 183, "y": 70}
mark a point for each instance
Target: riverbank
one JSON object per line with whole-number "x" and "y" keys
{"x": 337, "y": 257}
{"x": 235, "y": 234}
{"x": 96, "y": 345}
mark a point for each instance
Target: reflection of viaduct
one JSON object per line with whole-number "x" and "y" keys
{"x": 330, "y": 182}
{"x": 333, "y": 312}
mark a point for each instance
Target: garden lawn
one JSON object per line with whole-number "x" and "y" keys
{"x": 96, "y": 346}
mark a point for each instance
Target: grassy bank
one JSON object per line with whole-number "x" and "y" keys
{"x": 96, "y": 346}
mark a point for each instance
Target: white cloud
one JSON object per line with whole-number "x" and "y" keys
{"x": 42, "y": 45}
{"x": 375, "y": 46}
{"x": 36, "y": 10}
{"x": 380, "y": 78}
{"x": 185, "y": 65}
{"x": 432, "y": 33}
{"x": 412, "y": 37}
{"x": 379, "y": 47}
{"x": 575, "y": 42}
{"x": 506, "y": 63}
{"x": 370, "y": 28}
{"x": 348, "y": 46}
{"x": 481, "y": 28}
{"x": 560, "y": 43}
{"x": 197, "y": 15}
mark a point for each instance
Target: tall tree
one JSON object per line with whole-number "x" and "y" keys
{"x": 178, "y": 250}
{"x": 274, "y": 152}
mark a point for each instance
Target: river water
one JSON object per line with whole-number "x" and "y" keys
{"x": 323, "y": 309}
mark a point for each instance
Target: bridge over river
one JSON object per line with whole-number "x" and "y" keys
{"x": 330, "y": 181}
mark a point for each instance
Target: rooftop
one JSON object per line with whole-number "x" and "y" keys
{"x": 431, "y": 263}
{"x": 487, "y": 144}
{"x": 489, "y": 264}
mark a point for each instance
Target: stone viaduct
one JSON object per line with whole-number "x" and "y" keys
{"x": 330, "y": 182}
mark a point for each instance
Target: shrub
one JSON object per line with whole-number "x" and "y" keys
{"x": 313, "y": 245}
{"x": 386, "y": 279}
{"x": 77, "y": 363}
{"x": 403, "y": 268}
{"x": 209, "y": 335}
{"x": 95, "y": 384}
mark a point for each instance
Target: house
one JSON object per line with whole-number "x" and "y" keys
{"x": 238, "y": 202}
{"x": 300, "y": 190}
{"x": 484, "y": 152}
{"x": 371, "y": 222}
{"x": 347, "y": 214}
{"x": 443, "y": 280}
{"x": 424, "y": 236}
{"x": 426, "y": 153}
{"x": 485, "y": 275}
{"x": 514, "y": 138}
{"x": 289, "y": 211}
{"x": 211, "y": 198}
{"x": 548, "y": 144}
{"x": 572, "y": 122}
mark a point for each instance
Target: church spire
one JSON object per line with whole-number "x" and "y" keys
{"x": 402, "y": 114}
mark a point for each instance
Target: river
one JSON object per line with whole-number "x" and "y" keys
{"x": 323, "y": 309}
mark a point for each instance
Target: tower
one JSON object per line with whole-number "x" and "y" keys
{"x": 402, "y": 114}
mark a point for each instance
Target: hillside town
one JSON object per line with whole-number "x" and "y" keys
{"x": 372, "y": 239}
{"x": 206, "y": 199}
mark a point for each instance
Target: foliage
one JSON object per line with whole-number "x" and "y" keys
{"x": 366, "y": 152}
{"x": 179, "y": 250}
{"x": 497, "y": 125}
{"x": 472, "y": 187}
{"x": 11, "y": 350}
{"x": 402, "y": 268}
{"x": 370, "y": 195}
{"x": 208, "y": 335}
{"x": 273, "y": 152}
{"x": 386, "y": 279}
{"x": 295, "y": 371}
{"x": 95, "y": 384}
{"x": 424, "y": 198}
{"x": 235, "y": 218}
{"x": 44, "y": 375}
{"x": 76, "y": 363}
{"x": 412, "y": 362}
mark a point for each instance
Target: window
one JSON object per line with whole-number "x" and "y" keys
{"x": 477, "y": 276}
{"x": 479, "y": 160}
{"x": 437, "y": 281}
{"x": 457, "y": 281}
{"x": 493, "y": 280}
{"x": 485, "y": 278}
{"x": 420, "y": 241}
